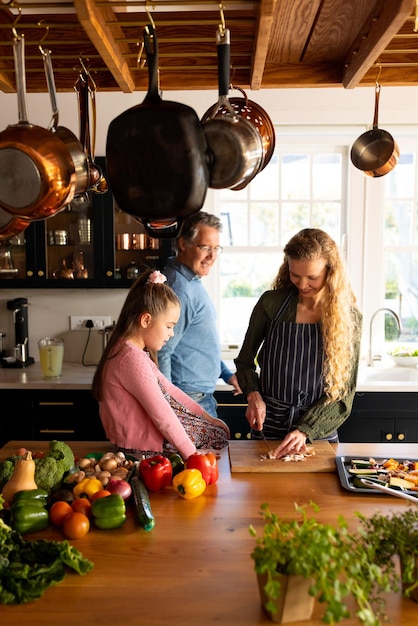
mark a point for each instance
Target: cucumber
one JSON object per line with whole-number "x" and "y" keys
{"x": 143, "y": 507}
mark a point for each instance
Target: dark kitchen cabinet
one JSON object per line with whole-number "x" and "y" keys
{"x": 66, "y": 415}
{"x": 382, "y": 418}
{"x": 90, "y": 244}
{"x": 231, "y": 409}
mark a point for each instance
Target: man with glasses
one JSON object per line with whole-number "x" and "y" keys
{"x": 192, "y": 358}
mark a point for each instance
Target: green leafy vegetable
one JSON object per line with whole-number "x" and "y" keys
{"x": 28, "y": 568}
{"x": 51, "y": 468}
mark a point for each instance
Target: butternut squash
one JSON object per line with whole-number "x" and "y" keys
{"x": 23, "y": 477}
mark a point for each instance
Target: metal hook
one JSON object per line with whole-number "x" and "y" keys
{"x": 378, "y": 76}
{"x": 139, "y": 61}
{"x": 19, "y": 15}
{"x": 149, "y": 14}
{"x": 222, "y": 25}
{"x": 42, "y": 22}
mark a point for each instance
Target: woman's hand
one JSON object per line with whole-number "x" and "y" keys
{"x": 256, "y": 410}
{"x": 293, "y": 443}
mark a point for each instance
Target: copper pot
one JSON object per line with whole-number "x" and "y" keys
{"x": 37, "y": 174}
{"x": 70, "y": 141}
{"x": 11, "y": 225}
{"x": 375, "y": 152}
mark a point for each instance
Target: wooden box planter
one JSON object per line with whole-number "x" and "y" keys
{"x": 294, "y": 603}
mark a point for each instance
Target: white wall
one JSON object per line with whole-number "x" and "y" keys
{"x": 336, "y": 111}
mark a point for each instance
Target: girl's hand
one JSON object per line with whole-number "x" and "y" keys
{"x": 256, "y": 410}
{"x": 216, "y": 422}
{"x": 293, "y": 443}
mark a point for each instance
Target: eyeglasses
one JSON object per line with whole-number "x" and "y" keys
{"x": 216, "y": 250}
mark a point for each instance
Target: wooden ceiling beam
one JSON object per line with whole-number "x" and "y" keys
{"x": 93, "y": 19}
{"x": 264, "y": 26}
{"x": 385, "y": 20}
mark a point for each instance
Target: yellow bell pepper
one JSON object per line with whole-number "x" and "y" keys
{"x": 189, "y": 483}
{"x": 87, "y": 487}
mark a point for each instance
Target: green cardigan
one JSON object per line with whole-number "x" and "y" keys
{"x": 321, "y": 419}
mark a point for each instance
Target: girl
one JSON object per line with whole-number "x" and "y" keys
{"x": 142, "y": 412}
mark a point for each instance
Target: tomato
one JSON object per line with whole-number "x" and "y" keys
{"x": 58, "y": 512}
{"x": 76, "y": 525}
{"x": 103, "y": 493}
{"x": 82, "y": 505}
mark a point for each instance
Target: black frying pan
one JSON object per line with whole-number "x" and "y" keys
{"x": 157, "y": 159}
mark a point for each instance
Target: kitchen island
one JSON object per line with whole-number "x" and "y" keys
{"x": 194, "y": 568}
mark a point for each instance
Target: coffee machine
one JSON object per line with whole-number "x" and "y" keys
{"x": 20, "y": 358}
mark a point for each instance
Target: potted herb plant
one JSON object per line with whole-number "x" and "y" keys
{"x": 393, "y": 536}
{"x": 332, "y": 562}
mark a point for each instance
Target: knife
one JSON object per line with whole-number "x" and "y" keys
{"x": 388, "y": 490}
{"x": 270, "y": 451}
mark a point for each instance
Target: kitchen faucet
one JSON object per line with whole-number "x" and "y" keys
{"x": 377, "y": 357}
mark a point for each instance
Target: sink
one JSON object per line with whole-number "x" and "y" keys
{"x": 388, "y": 374}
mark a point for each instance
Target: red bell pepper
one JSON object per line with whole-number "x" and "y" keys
{"x": 156, "y": 472}
{"x": 207, "y": 464}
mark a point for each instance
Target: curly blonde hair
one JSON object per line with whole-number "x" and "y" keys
{"x": 338, "y": 322}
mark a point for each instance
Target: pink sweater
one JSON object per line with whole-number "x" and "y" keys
{"x": 133, "y": 410}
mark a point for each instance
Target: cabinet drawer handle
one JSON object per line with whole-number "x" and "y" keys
{"x": 231, "y": 404}
{"x": 56, "y": 403}
{"x": 388, "y": 436}
{"x": 61, "y": 431}
{"x": 401, "y": 436}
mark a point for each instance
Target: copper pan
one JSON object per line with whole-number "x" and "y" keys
{"x": 375, "y": 152}
{"x": 37, "y": 175}
{"x": 11, "y": 225}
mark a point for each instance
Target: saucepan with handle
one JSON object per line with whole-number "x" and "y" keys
{"x": 375, "y": 152}
{"x": 235, "y": 144}
{"x": 37, "y": 175}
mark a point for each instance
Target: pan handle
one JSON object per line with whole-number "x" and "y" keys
{"x": 376, "y": 105}
{"x": 19, "y": 58}
{"x": 49, "y": 75}
{"x": 151, "y": 51}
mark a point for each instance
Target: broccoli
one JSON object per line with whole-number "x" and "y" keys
{"x": 63, "y": 453}
{"x": 51, "y": 468}
{"x": 6, "y": 469}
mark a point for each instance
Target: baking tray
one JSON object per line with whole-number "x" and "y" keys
{"x": 344, "y": 462}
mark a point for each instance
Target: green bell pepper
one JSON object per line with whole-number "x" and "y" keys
{"x": 28, "y": 516}
{"x": 29, "y": 495}
{"x": 109, "y": 512}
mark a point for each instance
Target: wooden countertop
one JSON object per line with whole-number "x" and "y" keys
{"x": 194, "y": 567}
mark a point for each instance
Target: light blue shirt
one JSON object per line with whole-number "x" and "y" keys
{"x": 192, "y": 358}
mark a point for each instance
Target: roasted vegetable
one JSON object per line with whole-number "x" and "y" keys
{"x": 189, "y": 483}
{"x": 156, "y": 472}
{"x": 109, "y": 512}
{"x": 142, "y": 504}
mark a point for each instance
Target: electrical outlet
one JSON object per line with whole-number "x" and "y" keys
{"x": 78, "y": 322}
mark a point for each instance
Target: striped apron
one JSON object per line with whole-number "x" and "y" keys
{"x": 291, "y": 377}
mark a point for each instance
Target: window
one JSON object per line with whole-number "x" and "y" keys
{"x": 301, "y": 187}
{"x": 400, "y": 243}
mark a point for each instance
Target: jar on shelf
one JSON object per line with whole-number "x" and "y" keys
{"x": 133, "y": 271}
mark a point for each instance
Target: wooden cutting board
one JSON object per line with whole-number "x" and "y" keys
{"x": 244, "y": 456}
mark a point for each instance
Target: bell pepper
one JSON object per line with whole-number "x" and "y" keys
{"x": 28, "y": 512}
{"x": 30, "y": 495}
{"x": 87, "y": 487}
{"x": 156, "y": 472}
{"x": 207, "y": 464}
{"x": 189, "y": 483}
{"x": 177, "y": 463}
{"x": 109, "y": 512}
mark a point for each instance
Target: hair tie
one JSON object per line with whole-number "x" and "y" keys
{"x": 156, "y": 278}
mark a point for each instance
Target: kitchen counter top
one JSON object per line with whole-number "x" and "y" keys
{"x": 194, "y": 567}
{"x": 77, "y": 376}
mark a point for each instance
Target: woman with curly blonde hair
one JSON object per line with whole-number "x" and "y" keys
{"x": 309, "y": 329}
